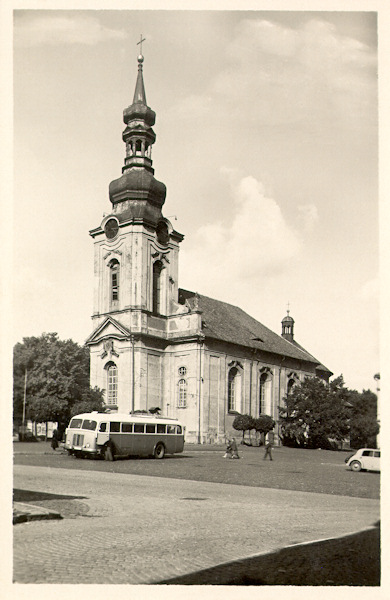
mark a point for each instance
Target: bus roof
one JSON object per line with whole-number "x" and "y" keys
{"x": 136, "y": 418}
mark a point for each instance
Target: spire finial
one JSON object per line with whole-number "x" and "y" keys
{"x": 140, "y": 44}
{"x": 288, "y": 308}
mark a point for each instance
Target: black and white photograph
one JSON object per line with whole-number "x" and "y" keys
{"x": 194, "y": 324}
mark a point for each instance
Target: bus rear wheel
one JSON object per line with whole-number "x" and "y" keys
{"x": 159, "y": 451}
{"x": 108, "y": 453}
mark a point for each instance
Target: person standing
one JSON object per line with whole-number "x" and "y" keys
{"x": 54, "y": 439}
{"x": 268, "y": 449}
{"x": 234, "y": 449}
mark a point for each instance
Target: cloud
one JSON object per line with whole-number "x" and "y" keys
{"x": 257, "y": 243}
{"x": 308, "y": 214}
{"x": 311, "y": 73}
{"x": 56, "y": 29}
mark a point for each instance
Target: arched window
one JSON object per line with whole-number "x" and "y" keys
{"x": 263, "y": 380}
{"x": 182, "y": 393}
{"x": 234, "y": 390}
{"x": 157, "y": 268}
{"x": 290, "y": 385}
{"x": 114, "y": 280}
{"x": 265, "y": 394}
{"x": 112, "y": 384}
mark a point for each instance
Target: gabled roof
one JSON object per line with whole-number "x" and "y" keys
{"x": 228, "y": 323}
{"x": 109, "y": 328}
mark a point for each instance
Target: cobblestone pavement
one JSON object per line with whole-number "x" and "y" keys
{"x": 136, "y": 529}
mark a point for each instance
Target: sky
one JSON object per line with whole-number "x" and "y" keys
{"x": 267, "y": 141}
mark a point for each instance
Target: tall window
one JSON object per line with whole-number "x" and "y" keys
{"x": 263, "y": 380}
{"x": 157, "y": 268}
{"x": 112, "y": 384}
{"x": 265, "y": 394}
{"x": 114, "y": 280}
{"x": 234, "y": 390}
{"x": 182, "y": 393}
{"x": 290, "y": 385}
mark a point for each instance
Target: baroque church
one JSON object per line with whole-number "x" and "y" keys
{"x": 200, "y": 360}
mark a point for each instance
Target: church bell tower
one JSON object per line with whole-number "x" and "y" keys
{"x": 135, "y": 266}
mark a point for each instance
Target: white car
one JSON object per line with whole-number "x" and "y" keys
{"x": 368, "y": 459}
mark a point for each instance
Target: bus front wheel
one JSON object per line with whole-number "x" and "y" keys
{"x": 159, "y": 451}
{"x": 108, "y": 453}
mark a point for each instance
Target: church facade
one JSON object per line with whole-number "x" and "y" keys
{"x": 198, "y": 359}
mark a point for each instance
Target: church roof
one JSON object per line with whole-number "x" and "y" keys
{"x": 229, "y": 323}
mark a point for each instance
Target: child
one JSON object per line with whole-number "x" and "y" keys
{"x": 231, "y": 449}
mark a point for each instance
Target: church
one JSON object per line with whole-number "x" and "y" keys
{"x": 198, "y": 359}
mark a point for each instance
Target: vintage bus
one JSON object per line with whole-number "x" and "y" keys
{"x": 108, "y": 435}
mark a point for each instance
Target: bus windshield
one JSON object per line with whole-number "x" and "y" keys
{"x": 87, "y": 424}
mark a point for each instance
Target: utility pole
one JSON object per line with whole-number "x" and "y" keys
{"x": 24, "y": 402}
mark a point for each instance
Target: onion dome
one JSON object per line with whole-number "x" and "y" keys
{"x": 137, "y": 194}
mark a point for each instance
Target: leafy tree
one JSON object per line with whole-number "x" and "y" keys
{"x": 91, "y": 399}
{"x": 243, "y": 423}
{"x": 364, "y": 424}
{"x": 57, "y": 378}
{"x": 315, "y": 414}
{"x": 264, "y": 424}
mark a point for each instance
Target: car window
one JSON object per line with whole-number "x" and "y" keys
{"x": 103, "y": 427}
{"x": 377, "y": 454}
{"x": 366, "y": 453}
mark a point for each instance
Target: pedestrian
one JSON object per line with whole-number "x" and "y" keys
{"x": 268, "y": 450}
{"x": 54, "y": 439}
{"x": 228, "y": 451}
{"x": 234, "y": 449}
{"x": 231, "y": 449}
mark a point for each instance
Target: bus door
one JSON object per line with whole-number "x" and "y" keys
{"x": 103, "y": 434}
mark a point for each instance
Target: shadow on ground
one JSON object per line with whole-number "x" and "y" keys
{"x": 352, "y": 560}
{"x": 30, "y": 496}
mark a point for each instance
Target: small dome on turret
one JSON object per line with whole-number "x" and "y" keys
{"x": 288, "y": 327}
{"x": 288, "y": 319}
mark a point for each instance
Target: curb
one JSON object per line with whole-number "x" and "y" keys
{"x": 22, "y": 513}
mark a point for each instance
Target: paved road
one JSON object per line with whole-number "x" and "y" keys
{"x": 139, "y": 529}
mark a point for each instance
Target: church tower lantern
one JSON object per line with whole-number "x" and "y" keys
{"x": 288, "y": 327}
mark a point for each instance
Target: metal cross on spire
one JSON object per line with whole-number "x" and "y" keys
{"x": 140, "y": 42}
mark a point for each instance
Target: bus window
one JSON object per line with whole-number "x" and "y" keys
{"x": 139, "y": 427}
{"x": 103, "y": 427}
{"x": 127, "y": 427}
{"x": 115, "y": 427}
{"x": 75, "y": 423}
{"x": 171, "y": 428}
{"x": 179, "y": 429}
{"x": 88, "y": 424}
{"x": 160, "y": 428}
{"x": 150, "y": 428}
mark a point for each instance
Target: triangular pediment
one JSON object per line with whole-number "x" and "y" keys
{"x": 110, "y": 328}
